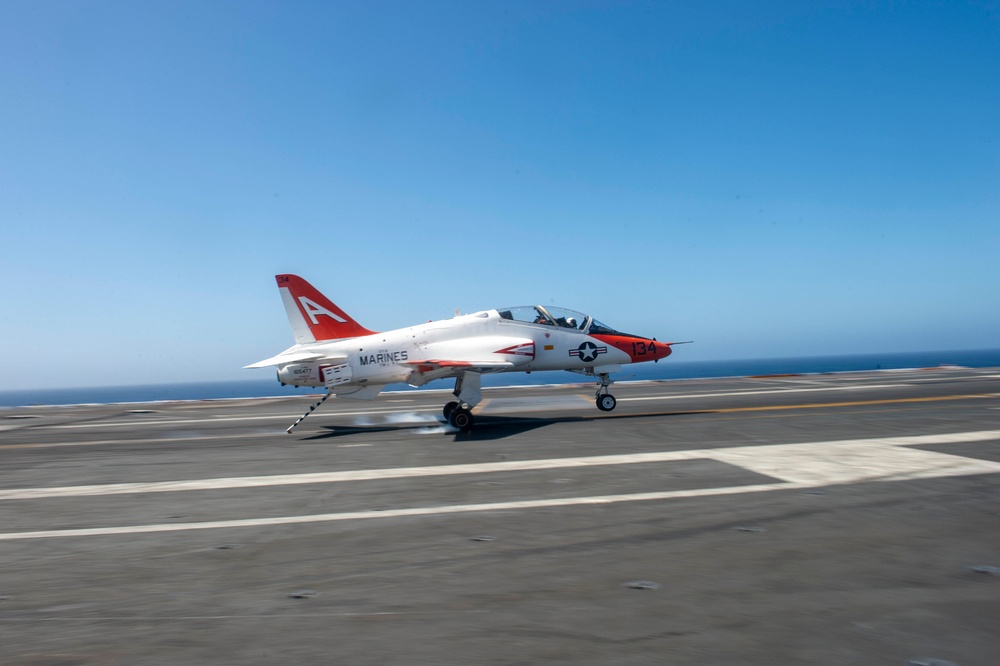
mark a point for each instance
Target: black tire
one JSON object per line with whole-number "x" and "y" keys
{"x": 606, "y": 402}
{"x": 461, "y": 419}
{"x": 448, "y": 409}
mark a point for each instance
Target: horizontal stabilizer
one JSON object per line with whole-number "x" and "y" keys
{"x": 282, "y": 359}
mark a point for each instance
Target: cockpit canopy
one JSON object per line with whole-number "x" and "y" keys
{"x": 549, "y": 315}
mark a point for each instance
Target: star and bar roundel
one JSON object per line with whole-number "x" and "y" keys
{"x": 588, "y": 351}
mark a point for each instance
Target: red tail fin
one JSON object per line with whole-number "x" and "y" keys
{"x": 312, "y": 315}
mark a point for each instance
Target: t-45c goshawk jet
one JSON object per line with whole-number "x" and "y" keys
{"x": 335, "y": 352}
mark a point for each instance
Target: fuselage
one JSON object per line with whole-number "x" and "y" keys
{"x": 425, "y": 352}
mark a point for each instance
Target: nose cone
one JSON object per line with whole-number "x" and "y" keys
{"x": 638, "y": 348}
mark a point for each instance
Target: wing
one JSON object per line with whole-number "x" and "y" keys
{"x": 431, "y": 365}
{"x": 431, "y": 369}
{"x": 482, "y": 355}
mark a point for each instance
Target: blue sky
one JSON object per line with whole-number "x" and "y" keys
{"x": 768, "y": 179}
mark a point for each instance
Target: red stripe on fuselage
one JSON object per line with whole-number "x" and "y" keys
{"x": 523, "y": 349}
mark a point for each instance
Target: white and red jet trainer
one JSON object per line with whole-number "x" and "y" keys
{"x": 350, "y": 361}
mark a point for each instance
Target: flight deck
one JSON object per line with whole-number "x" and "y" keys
{"x": 819, "y": 519}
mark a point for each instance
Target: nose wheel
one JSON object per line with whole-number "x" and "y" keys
{"x": 605, "y": 401}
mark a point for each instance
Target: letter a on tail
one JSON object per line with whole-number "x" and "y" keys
{"x": 312, "y": 315}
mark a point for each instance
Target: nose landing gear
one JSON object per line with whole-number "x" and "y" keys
{"x": 605, "y": 401}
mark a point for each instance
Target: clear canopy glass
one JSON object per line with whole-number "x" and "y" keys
{"x": 550, "y": 315}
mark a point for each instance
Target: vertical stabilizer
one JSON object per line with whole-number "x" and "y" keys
{"x": 312, "y": 315}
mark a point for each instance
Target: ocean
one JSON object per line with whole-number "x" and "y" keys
{"x": 669, "y": 369}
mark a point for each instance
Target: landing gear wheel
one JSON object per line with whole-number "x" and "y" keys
{"x": 461, "y": 419}
{"x": 605, "y": 401}
{"x": 449, "y": 408}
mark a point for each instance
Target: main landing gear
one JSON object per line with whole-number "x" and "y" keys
{"x": 467, "y": 390}
{"x": 605, "y": 401}
{"x": 458, "y": 417}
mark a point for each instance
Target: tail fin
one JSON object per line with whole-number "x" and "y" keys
{"x": 312, "y": 315}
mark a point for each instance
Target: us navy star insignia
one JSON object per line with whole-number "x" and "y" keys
{"x": 588, "y": 351}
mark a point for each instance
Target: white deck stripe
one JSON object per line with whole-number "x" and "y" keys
{"x": 783, "y": 461}
{"x": 682, "y": 396}
{"x": 394, "y": 513}
{"x": 225, "y": 419}
{"x": 272, "y": 417}
{"x": 807, "y": 465}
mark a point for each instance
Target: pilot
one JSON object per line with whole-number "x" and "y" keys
{"x": 541, "y": 319}
{"x": 571, "y": 322}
